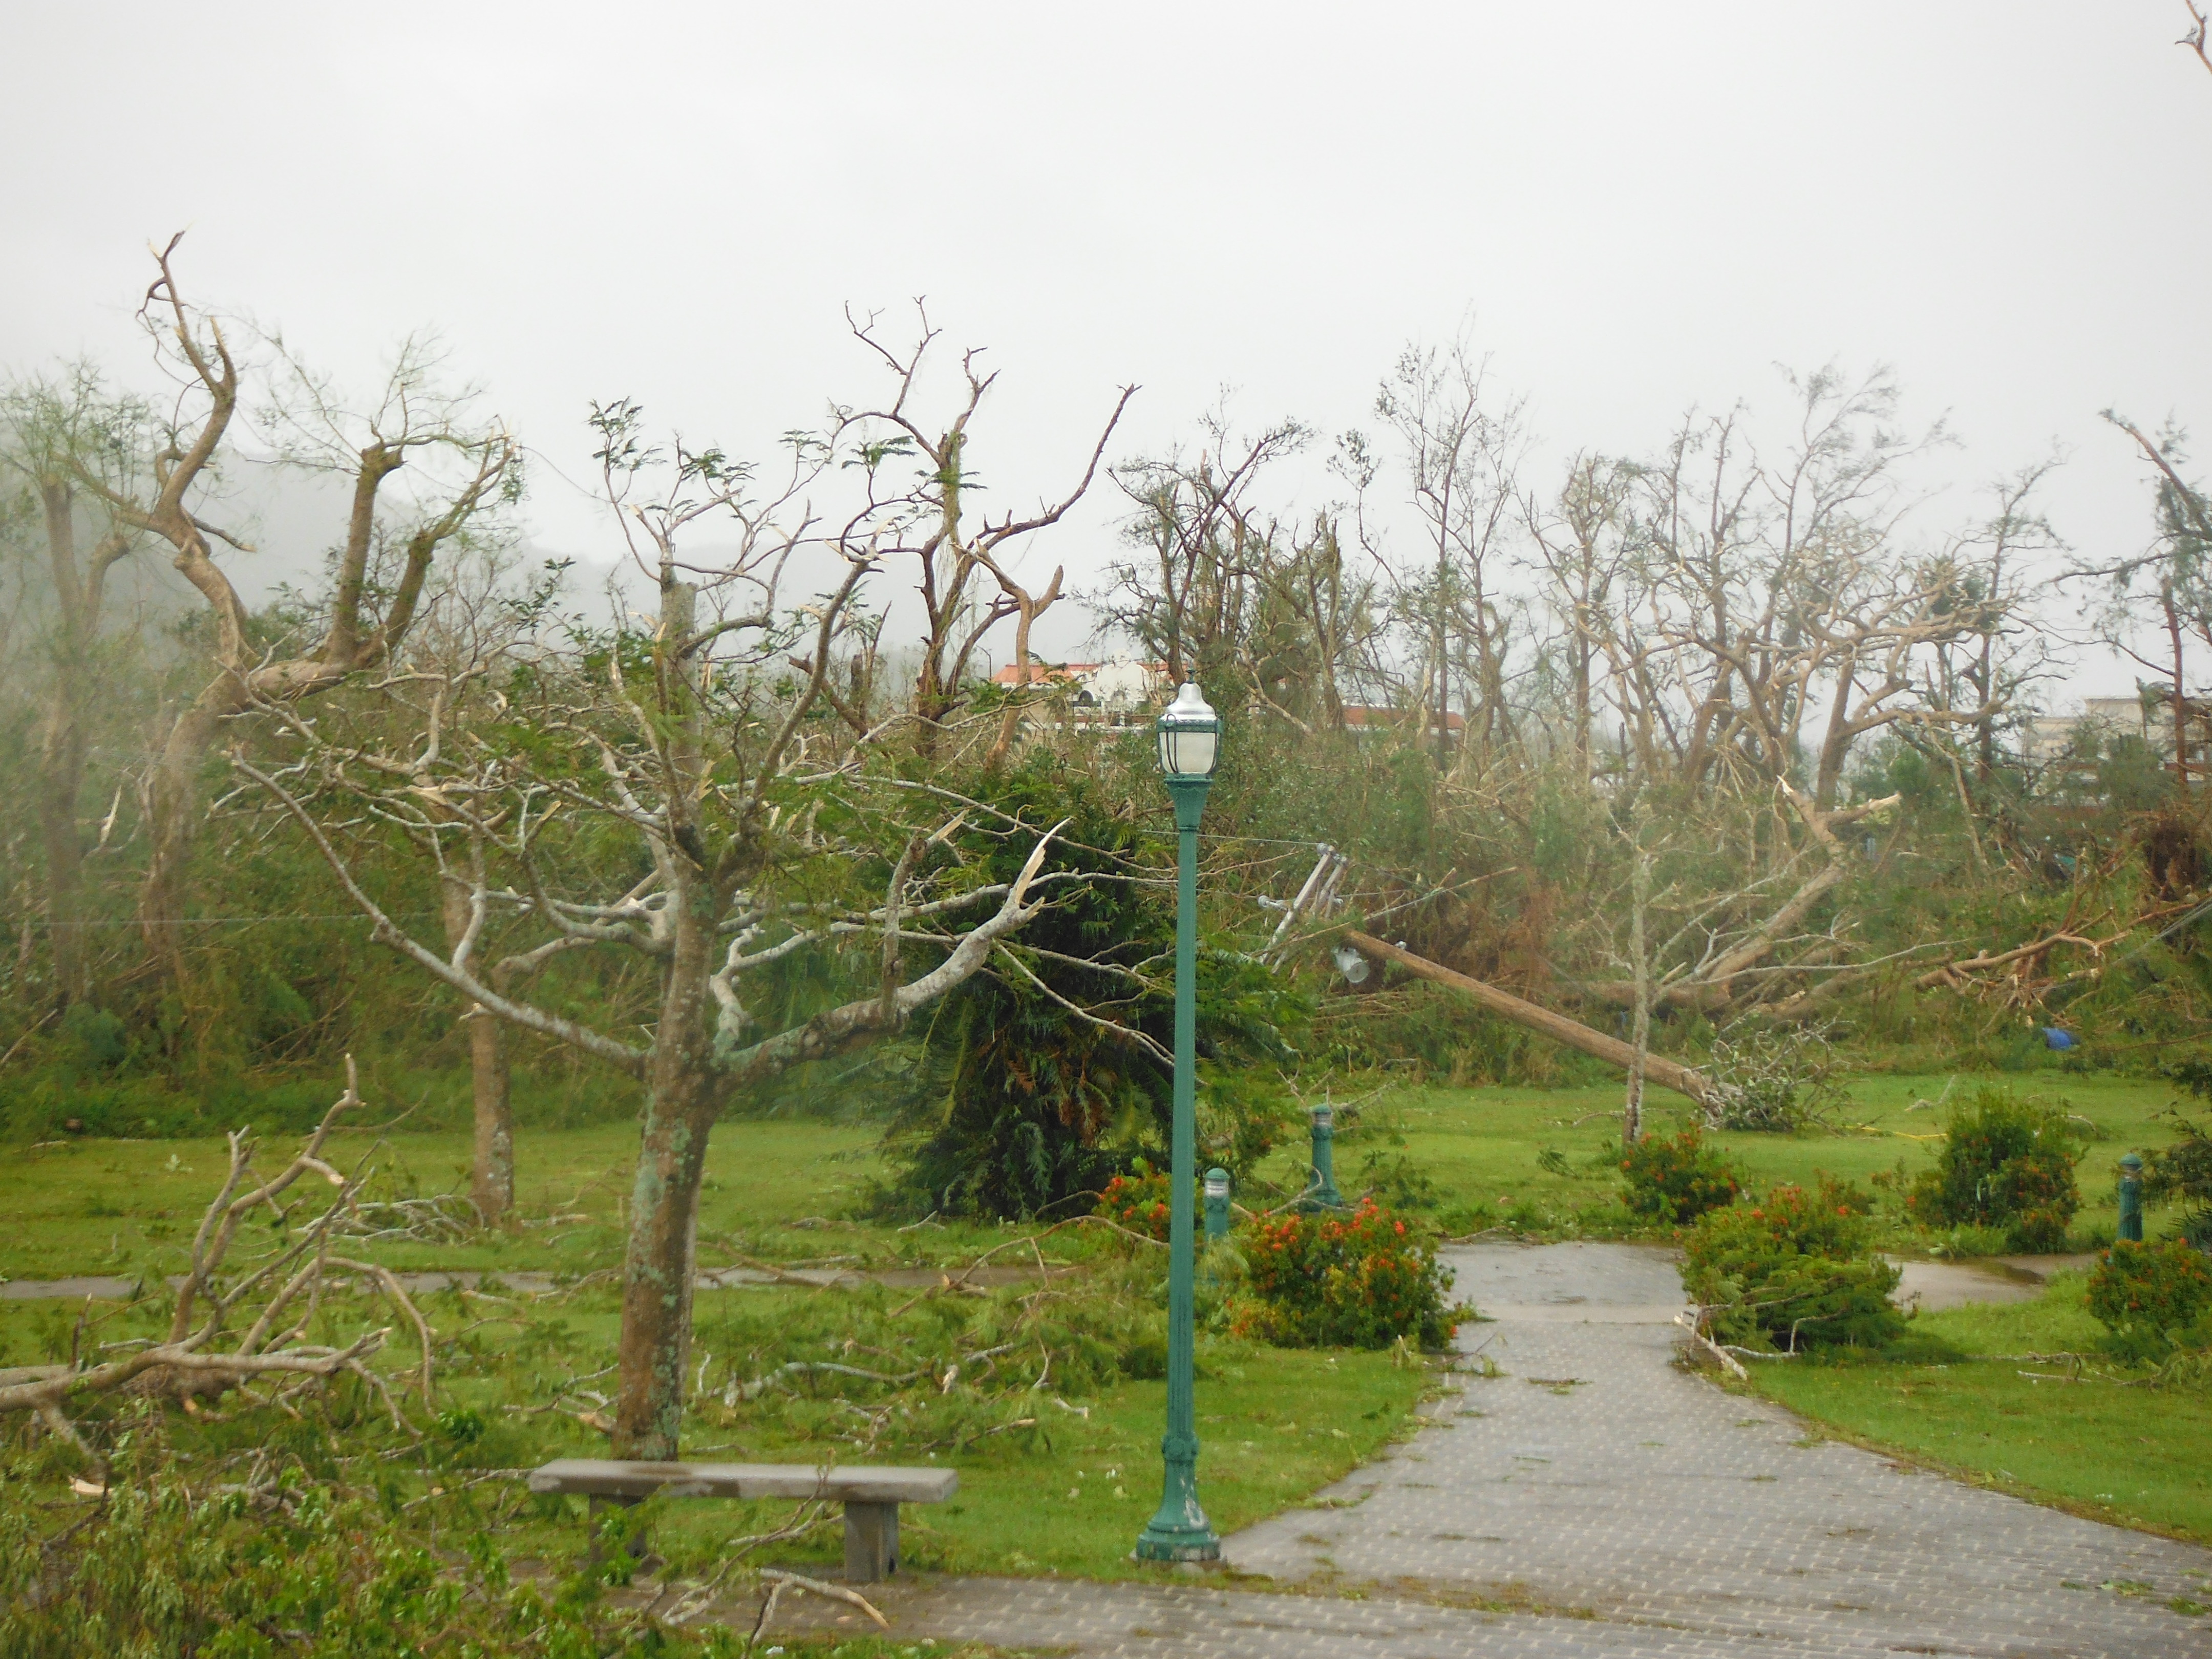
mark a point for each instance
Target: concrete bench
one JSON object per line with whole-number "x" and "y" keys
{"x": 872, "y": 1496}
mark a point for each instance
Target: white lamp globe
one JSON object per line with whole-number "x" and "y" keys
{"x": 1190, "y": 735}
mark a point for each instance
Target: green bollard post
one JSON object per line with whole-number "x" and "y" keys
{"x": 1217, "y": 1203}
{"x": 2131, "y": 1197}
{"x": 1323, "y": 1195}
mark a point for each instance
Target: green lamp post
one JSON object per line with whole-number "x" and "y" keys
{"x": 1190, "y": 741}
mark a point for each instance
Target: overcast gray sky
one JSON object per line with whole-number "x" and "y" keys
{"x": 1633, "y": 207}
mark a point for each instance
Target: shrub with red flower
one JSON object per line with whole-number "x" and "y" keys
{"x": 1138, "y": 1201}
{"x": 1356, "y": 1279}
{"x": 1677, "y": 1180}
{"x": 2148, "y": 1296}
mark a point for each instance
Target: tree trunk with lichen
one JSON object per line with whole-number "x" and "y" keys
{"x": 683, "y": 1082}
{"x": 61, "y": 779}
{"x": 683, "y": 1090}
{"x": 658, "y": 1263}
{"x": 491, "y": 1180}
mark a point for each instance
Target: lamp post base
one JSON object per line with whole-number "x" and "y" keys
{"x": 1179, "y": 1530}
{"x": 1199, "y": 1545}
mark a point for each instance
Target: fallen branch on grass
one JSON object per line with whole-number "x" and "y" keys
{"x": 287, "y": 1285}
{"x": 1705, "y": 1344}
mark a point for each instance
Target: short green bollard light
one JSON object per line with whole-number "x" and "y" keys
{"x": 1322, "y": 1194}
{"x": 2131, "y": 1197}
{"x": 1217, "y": 1203}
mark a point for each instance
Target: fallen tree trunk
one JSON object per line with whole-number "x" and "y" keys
{"x": 1667, "y": 1073}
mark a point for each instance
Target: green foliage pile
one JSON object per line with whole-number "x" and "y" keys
{"x": 1019, "y": 1108}
{"x": 1329, "y": 1279}
{"x": 1677, "y": 1179}
{"x": 305, "y": 1567}
{"x": 1797, "y": 1270}
{"x": 2152, "y": 1298}
{"x": 1781, "y": 1081}
{"x": 2005, "y": 1163}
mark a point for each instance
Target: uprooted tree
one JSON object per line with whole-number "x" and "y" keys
{"x": 678, "y": 793}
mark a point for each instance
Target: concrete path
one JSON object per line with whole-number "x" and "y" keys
{"x": 1597, "y": 1499}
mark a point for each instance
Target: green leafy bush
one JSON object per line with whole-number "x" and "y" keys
{"x": 1332, "y": 1279}
{"x": 1677, "y": 1180}
{"x": 2148, "y": 1296}
{"x": 1795, "y": 1270}
{"x": 2006, "y": 1164}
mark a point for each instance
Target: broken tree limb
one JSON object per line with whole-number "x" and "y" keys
{"x": 1667, "y": 1073}
{"x": 1711, "y": 987}
{"x": 1953, "y": 974}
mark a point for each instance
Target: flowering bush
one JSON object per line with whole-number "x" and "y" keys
{"x": 2004, "y": 1164}
{"x": 1356, "y": 1281}
{"x": 1795, "y": 1270}
{"x": 2148, "y": 1295}
{"x": 1677, "y": 1180}
{"x": 1138, "y": 1201}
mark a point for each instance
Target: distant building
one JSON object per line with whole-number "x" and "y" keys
{"x": 1102, "y": 692}
{"x": 2148, "y": 718}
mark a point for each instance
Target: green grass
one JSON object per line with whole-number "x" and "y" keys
{"x": 1480, "y": 1147}
{"x": 127, "y": 1208}
{"x": 2097, "y": 1446}
{"x": 787, "y": 1190}
{"x": 124, "y": 1207}
{"x": 1274, "y": 1426}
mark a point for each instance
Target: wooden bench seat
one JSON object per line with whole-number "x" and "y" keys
{"x": 872, "y": 1496}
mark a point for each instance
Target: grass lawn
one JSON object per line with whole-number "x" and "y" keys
{"x": 1481, "y": 1147}
{"x": 1273, "y": 1426}
{"x": 1955, "y": 1395}
{"x": 1070, "y": 1496}
{"x": 128, "y": 1206}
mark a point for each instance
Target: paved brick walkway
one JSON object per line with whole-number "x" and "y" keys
{"x": 1634, "y": 1510}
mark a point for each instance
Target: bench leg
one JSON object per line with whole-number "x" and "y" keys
{"x": 871, "y": 1543}
{"x": 592, "y": 1506}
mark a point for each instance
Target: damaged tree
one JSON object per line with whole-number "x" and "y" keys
{"x": 747, "y": 829}
{"x": 56, "y": 432}
{"x": 382, "y": 564}
{"x": 929, "y": 522}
